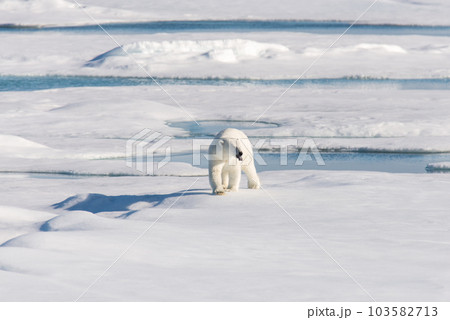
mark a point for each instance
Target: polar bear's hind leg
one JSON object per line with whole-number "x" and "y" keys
{"x": 225, "y": 179}
{"x": 252, "y": 176}
{"x": 235, "y": 178}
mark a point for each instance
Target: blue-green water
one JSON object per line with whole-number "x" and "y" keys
{"x": 359, "y": 161}
{"x": 319, "y": 27}
{"x": 351, "y": 161}
{"x": 29, "y": 83}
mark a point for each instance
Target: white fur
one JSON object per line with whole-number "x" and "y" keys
{"x": 225, "y": 168}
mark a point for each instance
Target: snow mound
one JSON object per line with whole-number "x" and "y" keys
{"x": 224, "y": 51}
{"x": 37, "y": 6}
{"x": 10, "y": 216}
{"x": 434, "y": 48}
{"x": 358, "y": 48}
{"x": 60, "y": 12}
{"x": 8, "y": 141}
{"x": 17, "y": 221}
{"x": 438, "y": 166}
{"x": 89, "y": 167}
{"x": 80, "y": 220}
{"x": 20, "y": 147}
{"x": 386, "y": 11}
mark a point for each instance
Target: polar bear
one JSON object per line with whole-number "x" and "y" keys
{"x": 229, "y": 153}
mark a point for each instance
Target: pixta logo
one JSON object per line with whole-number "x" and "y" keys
{"x": 147, "y": 151}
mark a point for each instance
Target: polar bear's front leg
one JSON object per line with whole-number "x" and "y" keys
{"x": 215, "y": 178}
{"x": 252, "y": 176}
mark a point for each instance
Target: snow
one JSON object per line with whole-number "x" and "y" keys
{"x": 396, "y": 247}
{"x": 226, "y": 51}
{"x": 94, "y": 123}
{"x": 66, "y": 12}
{"x": 258, "y": 55}
{"x": 7, "y": 141}
{"x": 69, "y": 205}
{"x": 59, "y": 12}
{"x": 17, "y": 221}
{"x": 59, "y": 232}
{"x": 66, "y": 165}
{"x": 359, "y": 48}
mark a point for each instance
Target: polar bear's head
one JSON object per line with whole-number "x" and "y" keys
{"x": 231, "y": 149}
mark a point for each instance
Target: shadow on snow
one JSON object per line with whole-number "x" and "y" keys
{"x": 96, "y": 203}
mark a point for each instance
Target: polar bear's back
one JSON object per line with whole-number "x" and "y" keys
{"x": 231, "y": 133}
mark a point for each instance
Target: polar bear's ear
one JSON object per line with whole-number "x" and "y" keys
{"x": 221, "y": 142}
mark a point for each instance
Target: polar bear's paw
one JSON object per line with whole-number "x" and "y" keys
{"x": 254, "y": 186}
{"x": 219, "y": 192}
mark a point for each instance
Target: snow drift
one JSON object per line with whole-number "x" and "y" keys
{"x": 20, "y": 147}
{"x": 61, "y": 12}
{"x": 225, "y": 51}
{"x": 357, "y": 48}
{"x": 65, "y": 12}
{"x": 438, "y": 166}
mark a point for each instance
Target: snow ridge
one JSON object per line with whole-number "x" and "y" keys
{"x": 225, "y": 51}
